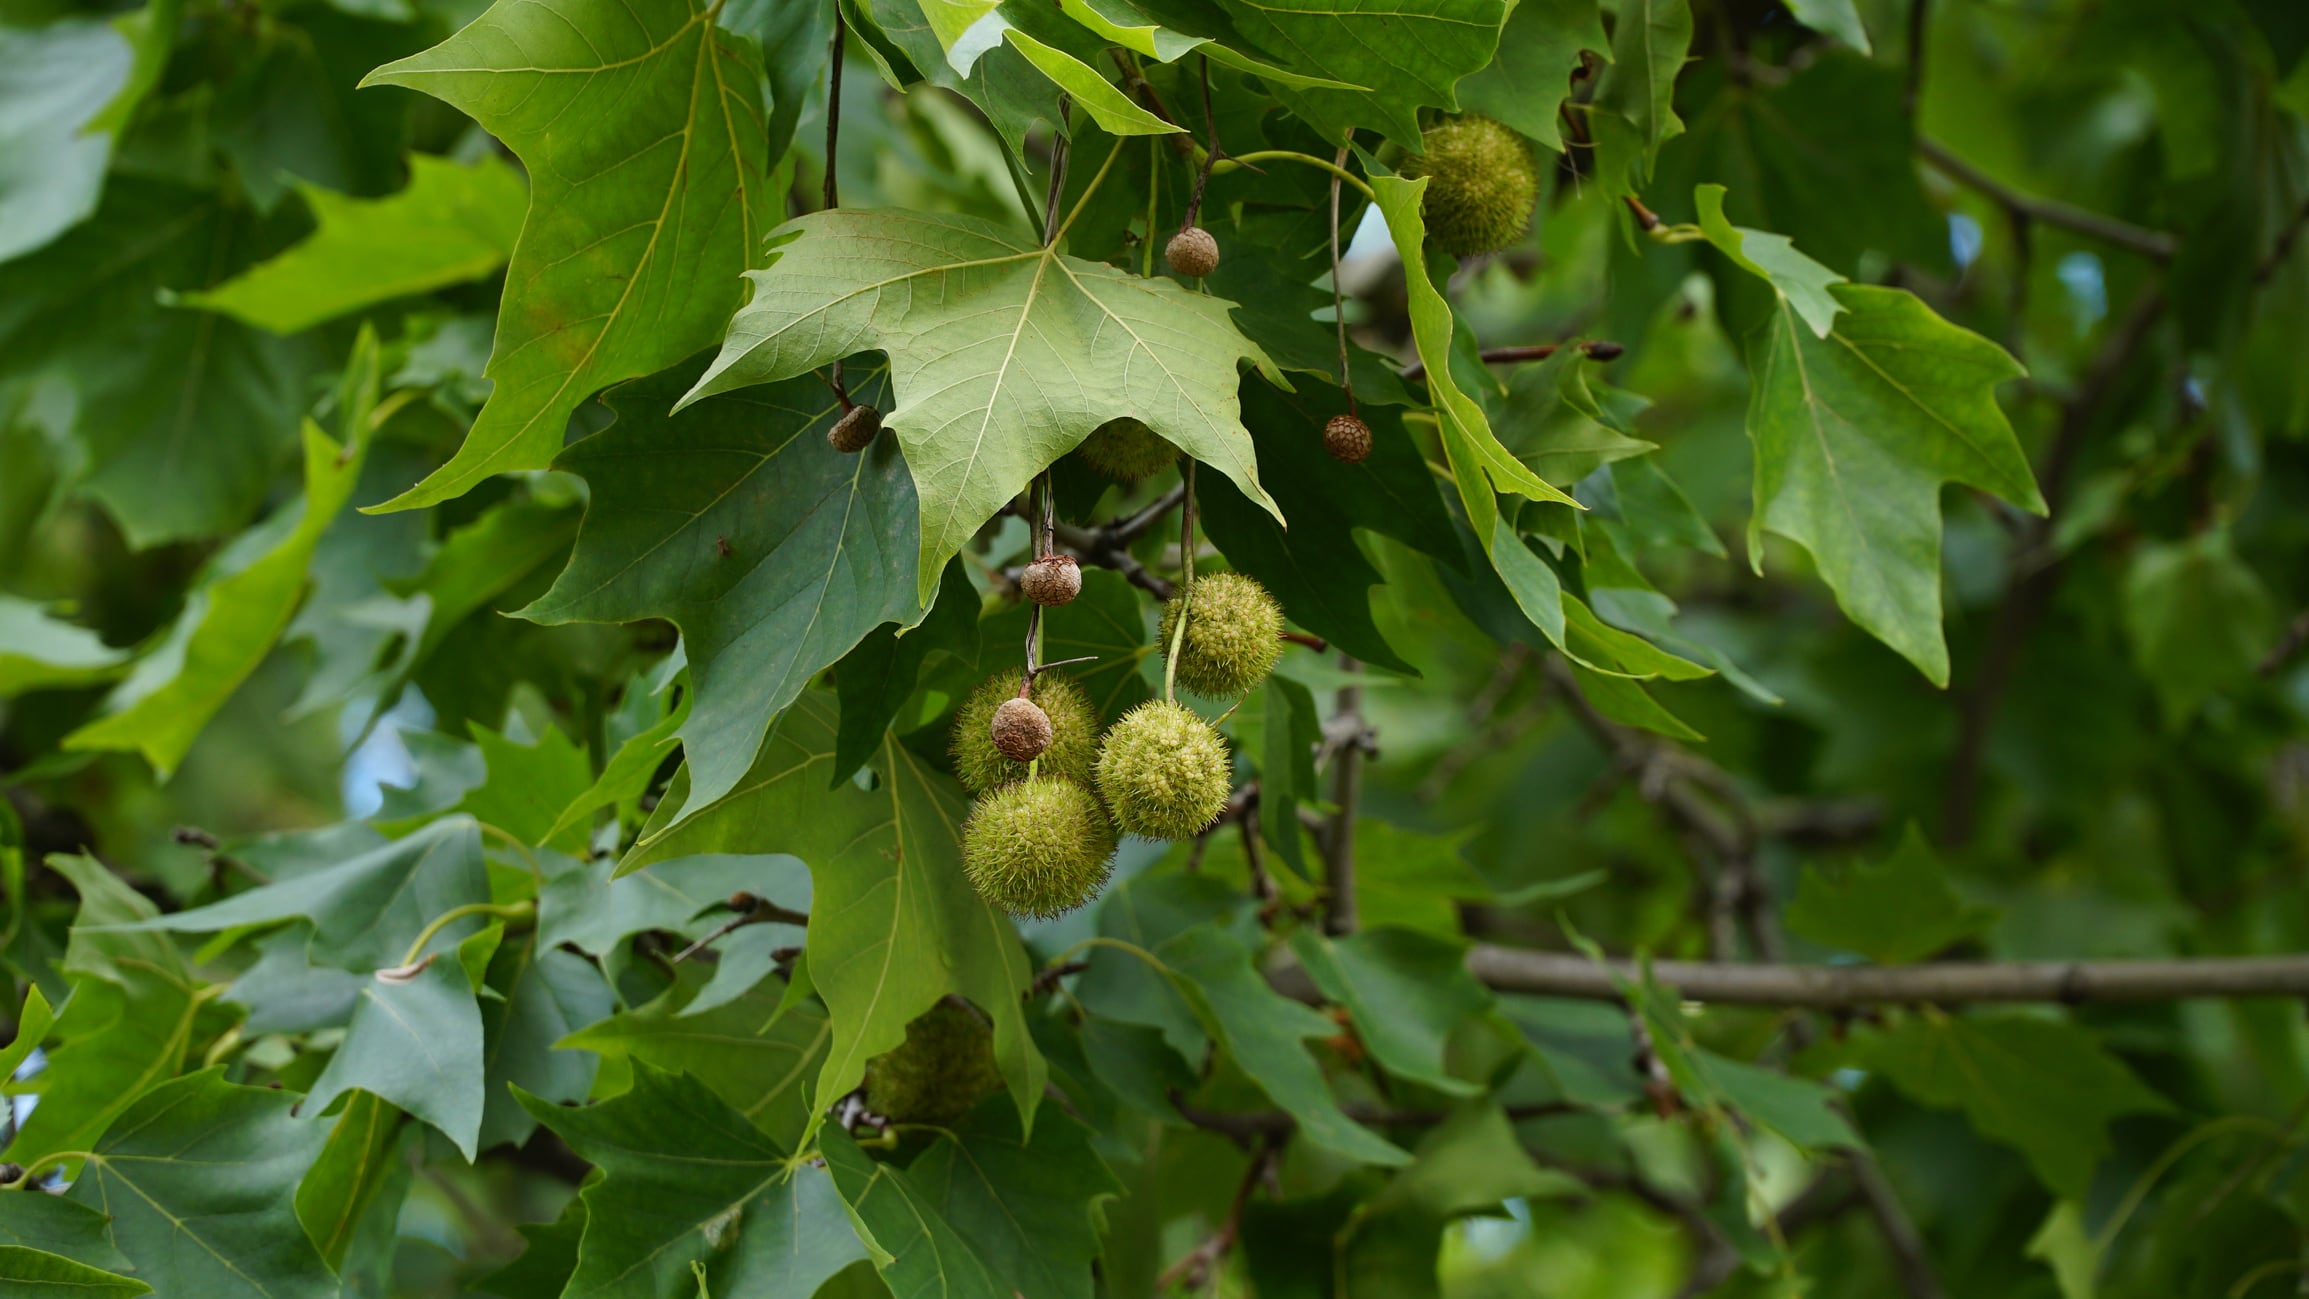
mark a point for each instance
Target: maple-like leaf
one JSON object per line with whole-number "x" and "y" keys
{"x": 1003, "y": 355}
{"x": 640, "y": 122}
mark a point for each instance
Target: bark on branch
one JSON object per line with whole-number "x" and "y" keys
{"x": 1828, "y": 987}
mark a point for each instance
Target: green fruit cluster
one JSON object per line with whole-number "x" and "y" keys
{"x": 1234, "y": 635}
{"x": 1038, "y": 847}
{"x": 939, "y": 1073}
{"x": 1482, "y": 183}
{"x": 1163, "y": 771}
{"x": 980, "y": 764}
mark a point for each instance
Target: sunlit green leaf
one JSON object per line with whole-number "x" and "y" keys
{"x": 641, "y": 126}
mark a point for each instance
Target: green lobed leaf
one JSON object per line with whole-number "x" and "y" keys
{"x": 199, "y": 1178}
{"x": 1480, "y": 465}
{"x": 1799, "y": 281}
{"x": 774, "y": 553}
{"x": 534, "y": 998}
{"x": 1290, "y": 731}
{"x": 126, "y": 1026}
{"x": 1406, "y": 990}
{"x": 1902, "y": 909}
{"x": 1838, "y": 18}
{"x": 1265, "y": 1032}
{"x": 2042, "y": 1086}
{"x": 1030, "y": 1209}
{"x": 235, "y": 616}
{"x": 69, "y": 88}
{"x": 757, "y": 1060}
{"x": 39, "y": 652}
{"x": 415, "y": 1041}
{"x": 182, "y": 416}
{"x": 52, "y": 1224}
{"x": 1527, "y": 81}
{"x": 34, "y": 1274}
{"x": 1634, "y": 108}
{"x": 688, "y": 1180}
{"x": 1003, "y": 355}
{"x": 885, "y": 865}
{"x": 347, "y": 1174}
{"x": 915, "y": 1249}
{"x": 1854, "y": 435}
{"x": 2198, "y": 618}
{"x": 640, "y": 122}
{"x": 452, "y": 223}
{"x": 592, "y": 908}
{"x": 1412, "y": 53}
{"x": 367, "y": 909}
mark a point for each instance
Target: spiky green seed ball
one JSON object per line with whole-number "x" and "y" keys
{"x": 1163, "y": 771}
{"x": 1038, "y": 847}
{"x": 981, "y": 766}
{"x": 939, "y": 1073}
{"x": 1482, "y": 183}
{"x": 1126, "y": 450}
{"x": 1234, "y": 635}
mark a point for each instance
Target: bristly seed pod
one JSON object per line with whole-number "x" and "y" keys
{"x": 1021, "y": 730}
{"x": 1193, "y": 252}
{"x": 855, "y": 431}
{"x": 1052, "y": 579}
{"x": 1163, "y": 772}
{"x": 980, "y": 766}
{"x": 1482, "y": 183}
{"x": 1037, "y": 847}
{"x": 1348, "y": 439}
{"x": 939, "y": 1072}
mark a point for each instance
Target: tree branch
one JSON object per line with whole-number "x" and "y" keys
{"x": 2152, "y": 244}
{"x": 1828, "y": 987}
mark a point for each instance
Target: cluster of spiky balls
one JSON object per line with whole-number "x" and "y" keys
{"x": 1053, "y": 795}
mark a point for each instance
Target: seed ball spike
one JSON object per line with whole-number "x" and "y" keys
{"x": 939, "y": 1073}
{"x": 1126, "y": 450}
{"x": 980, "y": 765}
{"x": 1038, "y": 847}
{"x": 1234, "y": 635}
{"x": 1052, "y": 579}
{"x": 1020, "y": 730}
{"x": 855, "y": 431}
{"x": 1193, "y": 252}
{"x": 1163, "y": 771}
{"x": 1348, "y": 439}
{"x": 1482, "y": 183}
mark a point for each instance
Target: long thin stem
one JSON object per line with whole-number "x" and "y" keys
{"x": 1210, "y": 154}
{"x": 833, "y": 152}
{"x": 506, "y": 910}
{"x": 1083, "y": 200}
{"x": 1060, "y": 150}
{"x": 1338, "y": 301}
{"x": 1186, "y": 586}
{"x": 1234, "y": 162}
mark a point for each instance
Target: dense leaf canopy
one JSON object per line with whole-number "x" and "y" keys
{"x": 1783, "y": 773}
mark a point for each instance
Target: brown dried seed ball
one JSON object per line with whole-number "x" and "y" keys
{"x": 1021, "y": 731}
{"x": 1073, "y": 731}
{"x": 1193, "y": 252}
{"x": 1052, "y": 579}
{"x": 1347, "y": 438}
{"x": 855, "y": 431}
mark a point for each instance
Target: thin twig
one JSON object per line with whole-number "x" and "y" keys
{"x": 1919, "y": 22}
{"x": 1210, "y": 155}
{"x": 1340, "y": 913}
{"x": 1197, "y": 1267}
{"x": 833, "y": 185}
{"x": 1058, "y": 159}
{"x": 1594, "y": 349}
{"x": 2155, "y": 245}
